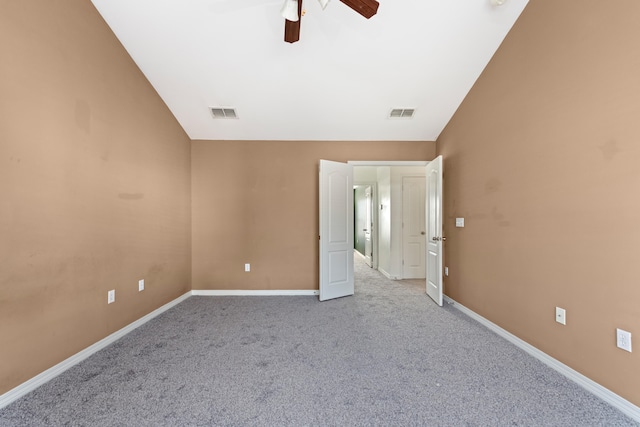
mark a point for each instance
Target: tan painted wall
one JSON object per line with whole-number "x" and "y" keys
{"x": 257, "y": 202}
{"x": 95, "y": 185}
{"x": 543, "y": 161}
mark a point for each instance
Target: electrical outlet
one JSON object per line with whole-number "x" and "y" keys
{"x": 141, "y": 285}
{"x": 561, "y": 315}
{"x": 247, "y": 267}
{"x": 446, "y": 271}
{"x": 623, "y": 339}
{"x": 111, "y": 296}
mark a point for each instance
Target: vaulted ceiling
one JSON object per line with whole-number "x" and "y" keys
{"x": 339, "y": 82}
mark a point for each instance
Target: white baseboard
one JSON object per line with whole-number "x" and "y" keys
{"x": 253, "y": 293}
{"x": 49, "y": 374}
{"x": 387, "y": 275}
{"x": 603, "y": 393}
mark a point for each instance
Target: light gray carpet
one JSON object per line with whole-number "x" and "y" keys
{"x": 386, "y": 356}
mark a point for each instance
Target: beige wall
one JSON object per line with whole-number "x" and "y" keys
{"x": 257, "y": 202}
{"x": 543, "y": 161}
{"x": 95, "y": 184}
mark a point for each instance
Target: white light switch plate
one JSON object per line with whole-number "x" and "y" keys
{"x": 141, "y": 285}
{"x": 111, "y": 296}
{"x": 247, "y": 267}
{"x": 459, "y": 222}
{"x": 561, "y": 315}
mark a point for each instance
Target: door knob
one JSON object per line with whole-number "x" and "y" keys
{"x": 434, "y": 238}
{"x": 444, "y": 239}
{"x": 423, "y": 233}
{"x": 364, "y": 229}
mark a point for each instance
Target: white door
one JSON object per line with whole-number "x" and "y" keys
{"x": 434, "y": 229}
{"x": 368, "y": 247}
{"x": 413, "y": 227}
{"x": 336, "y": 230}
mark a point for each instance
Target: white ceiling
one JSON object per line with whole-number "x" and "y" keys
{"x": 339, "y": 82}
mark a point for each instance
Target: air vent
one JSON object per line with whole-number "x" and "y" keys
{"x": 224, "y": 113}
{"x": 401, "y": 113}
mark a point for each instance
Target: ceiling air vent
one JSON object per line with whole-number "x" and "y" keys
{"x": 224, "y": 113}
{"x": 401, "y": 113}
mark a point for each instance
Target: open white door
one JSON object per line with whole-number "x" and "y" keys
{"x": 434, "y": 229}
{"x": 336, "y": 230}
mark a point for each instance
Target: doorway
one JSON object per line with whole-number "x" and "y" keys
{"x": 364, "y": 222}
{"x": 337, "y": 223}
{"x": 397, "y": 243}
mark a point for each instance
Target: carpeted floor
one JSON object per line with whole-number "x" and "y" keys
{"x": 386, "y": 356}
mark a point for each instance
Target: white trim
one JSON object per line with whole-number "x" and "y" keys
{"x": 253, "y": 293}
{"x": 599, "y": 391}
{"x": 387, "y": 275}
{"x": 388, "y": 162}
{"x": 54, "y": 371}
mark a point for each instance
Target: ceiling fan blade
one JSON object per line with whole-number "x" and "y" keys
{"x": 291, "y": 28}
{"x": 366, "y": 8}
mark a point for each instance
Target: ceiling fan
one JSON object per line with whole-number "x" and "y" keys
{"x": 292, "y": 13}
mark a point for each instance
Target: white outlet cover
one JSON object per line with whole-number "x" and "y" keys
{"x": 111, "y": 296}
{"x": 459, "y": 222}
{"x": 140, "y": 285}
{"x": 623, "y": 339}
{"x": 561, "y": 315}
{"x": 446, "y": 271}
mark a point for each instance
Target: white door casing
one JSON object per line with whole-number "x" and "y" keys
{"x": 413, "y": 227}
{"x": 434, "y": 229}
{"x": 336, "y": 230}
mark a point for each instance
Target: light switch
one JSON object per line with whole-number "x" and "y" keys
{"x": 459, "y": 222}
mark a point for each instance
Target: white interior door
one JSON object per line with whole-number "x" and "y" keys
{"x": 336, "y": 230}
{"x": 413, "y": 227}
{"x": 368, "y": 246}
{"x": 434, "y": 229}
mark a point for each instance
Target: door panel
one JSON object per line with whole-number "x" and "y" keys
{"x": 434, "y": 229}
{"x": 336, "y": 230}
{"x": 413, "y": 231}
